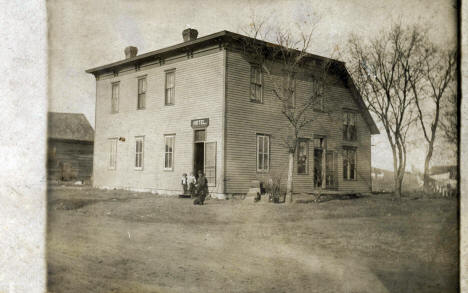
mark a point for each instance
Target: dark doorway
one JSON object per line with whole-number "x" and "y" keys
{"x": 199, "y": 151}
{"x": 199, "y": 157}
{"x": 318, "y": 153}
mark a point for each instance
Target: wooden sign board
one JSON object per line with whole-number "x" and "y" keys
{"x": 200, "y": 123}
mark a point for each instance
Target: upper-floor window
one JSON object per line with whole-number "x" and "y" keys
{"x": 318, "y": 95}
{"x": 170, "y": 88}
{"x": 289, "y": 89}
{"x": 349, "y": 125}
{"x": 256, "y": 91}
{"x": 112, "y": 153}
{"x": 263, "y": 153}
{"x": 115, "y": 97}
{"x": 169, "y": 142}
{"x": 141, "y": 93}
{"x": 349, "y": 163}
{"x": 139, "y": 149}
{"x": 303, "y": 156}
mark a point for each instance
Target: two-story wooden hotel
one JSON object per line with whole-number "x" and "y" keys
{"x": 205, "y": 105}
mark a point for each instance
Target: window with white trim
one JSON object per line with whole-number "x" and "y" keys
{"x": 139, "y": 152}
{"x": 349, "y": 125}
{"x": 303, "y": 156}
{"x": 112, "y": 153}
{"x": 170, "y": 88}
{"x": 141, "y": 103}
{"x": 349, "y": 163}
{"x": 289, "y": 89}
{"x": 256, "y": 92}
{"x": 169, "y": 142}
{"x": 115, "y": 97}
{"x": 263, "y": 153}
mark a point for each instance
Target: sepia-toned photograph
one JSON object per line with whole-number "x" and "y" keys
{"x": 252, "y": 146}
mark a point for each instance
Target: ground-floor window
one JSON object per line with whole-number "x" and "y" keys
{"x": 263, "y": 153}
{"x": 349, "y": 163}
{"x": 169, "y": 142}
{"x": 303, "y": 156}
{"x": 112, "y": 153}
{"x": 139, "y": 147}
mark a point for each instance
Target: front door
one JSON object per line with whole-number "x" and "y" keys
{"x": 325, "y": 165}
{"x": 199, "y": 152}
{"x": 331, "y": 167}
{"x": 318, "y": 154}
{"x": 204, "y": 157}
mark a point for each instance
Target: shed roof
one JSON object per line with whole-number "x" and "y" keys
{"x": 69, "y": 126}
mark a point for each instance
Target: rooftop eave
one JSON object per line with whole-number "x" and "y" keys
{"x": 153, "y": 55}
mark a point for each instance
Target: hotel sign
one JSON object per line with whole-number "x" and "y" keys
{"x": 200, "y": 123}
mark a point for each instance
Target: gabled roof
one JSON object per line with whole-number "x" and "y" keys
{"x": 230, "y": 36}
{"x": 69, "y": 126}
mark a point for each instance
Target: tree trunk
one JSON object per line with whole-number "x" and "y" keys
{"x": 398, "y": 185}
{"x": 396, "y": 188}
{"x": 290, "y": 178}
{"x": 426, "y": 186}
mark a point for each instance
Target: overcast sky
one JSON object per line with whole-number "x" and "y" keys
{"x": 86, "y": 34}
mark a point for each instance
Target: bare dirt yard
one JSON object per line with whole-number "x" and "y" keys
{"x": 122, "y": 241}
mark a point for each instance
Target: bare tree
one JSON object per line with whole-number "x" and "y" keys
{"x": 287, "y": 57}
{"x": 449, "y": 121}
{"x": 382, "y": 69}
{"x": 431, "y": 86}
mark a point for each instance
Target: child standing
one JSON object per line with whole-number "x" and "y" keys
{"x": 184, "y": 182}
{"x": 191, "y": 181}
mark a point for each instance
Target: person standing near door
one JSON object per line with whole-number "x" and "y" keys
{"x": 191, "y": 181}
{"x": 202, "y": 188}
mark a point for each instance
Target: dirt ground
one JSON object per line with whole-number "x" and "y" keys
{"x": 121, "y": 241}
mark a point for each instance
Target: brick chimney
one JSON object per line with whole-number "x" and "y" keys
{"x": 130, "y": 52}
{"x": 189, "y": 34}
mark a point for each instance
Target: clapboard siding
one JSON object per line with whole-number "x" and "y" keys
{"x": 75, "y": 158}
{"x": 244, "y": 119}
{"x": 199, "y": 84}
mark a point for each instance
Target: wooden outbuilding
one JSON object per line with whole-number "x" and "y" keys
{"x": 70, "y": 147}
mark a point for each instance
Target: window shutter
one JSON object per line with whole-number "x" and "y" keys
{"x": 210, "y": 163}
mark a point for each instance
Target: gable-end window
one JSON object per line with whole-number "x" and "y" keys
{"x": 303, "y": 156}
{"x": 115, "y": 97}
{"x": 256, "y": 90}
{"x": 170, "y": 88}
{"x": 318, "y": 93}
{"x": 141, "y": 103}
{"x": 349, "y": 125}
{"x": 169, "y": 142}
{"x": 263, "y": 153}
{"x": 349, "y": 163}
{"x": 112, "y": 153}
{"x": 139, "y": 149}
{"x": 289, "y": 89}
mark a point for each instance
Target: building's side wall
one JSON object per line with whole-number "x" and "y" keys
{"x": 69, "y": 160}
{"x": 198, "y": 94}
{"x": 244, "y": 119}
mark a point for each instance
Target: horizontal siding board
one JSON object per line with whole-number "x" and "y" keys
{"x": 198, "y": 94}
{"x": 244, "y": 119}
{"x": 77, "y": 156}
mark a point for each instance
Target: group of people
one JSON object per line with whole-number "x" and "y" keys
{"x": 196, "y": 187}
